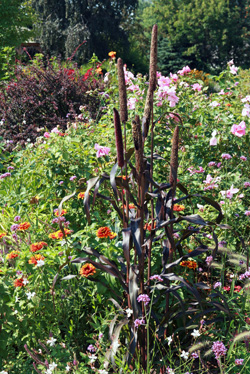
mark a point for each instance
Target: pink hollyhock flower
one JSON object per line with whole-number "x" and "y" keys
{"x": 101, "y": 151}
{"x": 174, "y": 77}
{"x": 239, "y": 130}
{"x": 213, "y": 140}
{"x": 229, "y": 193}
{"x": 246, "y": 110}
{"x": 196, "y": 87}
{"x": 226, "y": 156}
{"x": 47, "y": 135}
{"x": 243, "y": 158}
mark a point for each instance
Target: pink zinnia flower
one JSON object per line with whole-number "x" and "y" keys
{"x": 243, "y": 158}
{"x": 226, "y": 156}
{"x": 239, "y": 130}
{"x": 101, "y": 151}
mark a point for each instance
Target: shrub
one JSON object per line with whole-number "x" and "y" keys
{"x": 45, "y": 95}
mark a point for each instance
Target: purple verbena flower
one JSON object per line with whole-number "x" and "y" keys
{"x": 91, "y": 348}
{"x": 144, "y": 298}
{"x": 239, "y": 361}
{"x": 138, "y": 322}
{"x": 156, "y": 277}
{"x": 219, "y": 349}
{"x": 17, "y": 218}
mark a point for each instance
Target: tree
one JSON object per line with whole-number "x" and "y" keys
{"x": 15, "y": 22}
{"x": 64, "y": 25}
{"x": 204, "y": 34}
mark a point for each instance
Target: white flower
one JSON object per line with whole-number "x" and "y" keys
{"x": 3, "y": 372}
{"x": 25, "y": 281}
{"x": 15, "y": 312}
{"x": 67, "y": 368}
{"x": 195, "y": 333}
{"x": 184, "y": 355}
{"x": 40, "y": 263}
{"x": 169, "y": 339}
{"x": 48, "y": 371}
{"x": 52, "y": 366}
{"x": 16, "y": 301}
{"x": 129, "y": 312}
{"x": 30, "y": 295}
{"x": 103, "y": 371}
{"x": 92, "y": 358}
{"x": 51, "y": 341}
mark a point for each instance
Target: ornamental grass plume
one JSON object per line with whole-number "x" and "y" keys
{"x": 122, "y": 91}
{"x": 118, "y": 139}
{"x": 174, "y": 157}
{"x": 152, "y": 82}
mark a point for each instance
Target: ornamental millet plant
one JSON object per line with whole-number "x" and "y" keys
{"x": 154, "y": 203}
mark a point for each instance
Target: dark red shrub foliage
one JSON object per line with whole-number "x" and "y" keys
{"x": 45, "y": 97}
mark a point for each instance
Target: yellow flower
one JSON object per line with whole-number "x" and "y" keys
{"x": 112, "y": 54}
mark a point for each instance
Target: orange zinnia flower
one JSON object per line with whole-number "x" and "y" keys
{"x": 87, "y": 270}
{"x": 59, "y": 234}
{"x": 62, "y": 212}
{"x": 12, "y": 255}
{"x": 81, "y": 195}
{"x": 34, "y": 259}
{"x": 37, "y": 246}
{"x": 103, "y": 232}
{"x": 18, "y": 282}
{"x": 189, "y": 264}
{"x": 148, "y": 226}
{"x": 2, "y": 234}
{"x": 24, "y": 226}
{"x": 98, "y": 71}
{"x": 178, "y": 207}
{"x": 112, "y": 54}
{"x": 112, "y": 235}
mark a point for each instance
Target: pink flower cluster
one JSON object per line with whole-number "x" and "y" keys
{"x": 184, "y": 71}
{"x": 139, "y": 322}
{"x": 226, "y": 156}
{"x": 196, "y": 87}
{"x": 239, "y": 361}
{"x": 156, "y": 277}
{"x": 219, "y": 349}
{"x": 144, "y": 298}
{"x": 229, "y": 193}
{"x": 245, "y": 275}
{"x": 246, "y": 184}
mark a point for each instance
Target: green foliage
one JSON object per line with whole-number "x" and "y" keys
{"x": 203, "y": 34}
{"x": 15, "y": 23}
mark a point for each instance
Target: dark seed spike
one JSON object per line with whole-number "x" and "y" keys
{"x": 152, "y": 82}
{"x": 137, "y": 136}
{"x": 174, "y": 157}
{"x": 122, "y": 91}
{"x": 118, "y": 139}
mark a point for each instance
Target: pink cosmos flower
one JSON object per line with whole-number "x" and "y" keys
{"x": 239, "y": 130}
{"x": 196, "y": 87}
{"x": 226, "y": 156}
{"x": 164, "y": 81}
{"x": 229, "y": 193}
{"x": 101, "y": 151}
{"x": 47, "y": 135}
{"x": 55, "y": 130}
{"x": 213, "y": 140}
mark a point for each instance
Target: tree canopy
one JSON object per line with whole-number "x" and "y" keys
{"x": 64, "y": 25}
{"x": 204, "y": 34}
{"x": 15, "y": 22}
